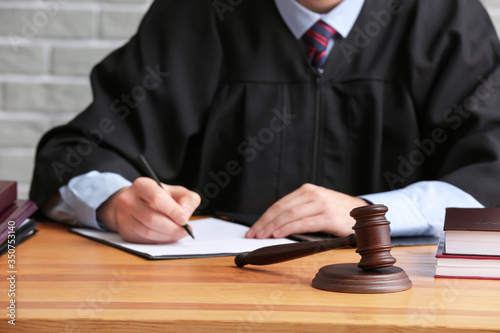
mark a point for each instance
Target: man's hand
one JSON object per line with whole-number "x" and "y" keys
{"x": 311, "y": 208}
{"x": 147, "y": 213}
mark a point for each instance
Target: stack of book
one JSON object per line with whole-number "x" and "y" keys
{"x": 15, "y": 224}
{"x": 470, "y": 245}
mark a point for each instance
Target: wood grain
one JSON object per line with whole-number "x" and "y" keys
{"x": 67, "y": 283}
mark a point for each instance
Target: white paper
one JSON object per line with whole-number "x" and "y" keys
{"x": 214, "y": 237}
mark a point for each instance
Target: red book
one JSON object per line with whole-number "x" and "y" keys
{"x": 472, "y": 231}
{"x": 466, "y": 266}
{"x": 14, "y": 216}
{"x": 8, "y": 193}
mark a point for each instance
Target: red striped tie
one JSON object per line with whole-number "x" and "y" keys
{"x": 316, "y": 40}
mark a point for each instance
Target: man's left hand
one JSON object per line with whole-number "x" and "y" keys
{"x": 310, "y": 208}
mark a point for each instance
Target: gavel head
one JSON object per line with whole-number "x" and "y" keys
{"x": 373, "y": 237}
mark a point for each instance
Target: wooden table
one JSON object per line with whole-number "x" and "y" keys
{"x": 67, "y": 283}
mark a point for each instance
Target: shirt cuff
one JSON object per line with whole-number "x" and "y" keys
{"x": 85, "y": 193}
{"x": 419, "y": 209}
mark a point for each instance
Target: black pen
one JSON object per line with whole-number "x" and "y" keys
{"x": 145, "y": 165}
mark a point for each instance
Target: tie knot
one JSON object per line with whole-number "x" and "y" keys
{"x": 317, "y": 39}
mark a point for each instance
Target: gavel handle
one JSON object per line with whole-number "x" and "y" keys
{"x": 279, "y": 253}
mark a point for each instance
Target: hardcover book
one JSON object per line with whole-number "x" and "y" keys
{"x": 461, "y": 266}
{"x": 8, "y": 194}
{"x": 24, "y": 232}
{"x": 14, "y": 216}
{"x": 472, "y": 231}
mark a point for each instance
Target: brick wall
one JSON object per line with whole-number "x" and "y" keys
{"x": 47, "y": 48}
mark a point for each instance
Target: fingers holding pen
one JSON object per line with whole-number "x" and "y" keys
{"x": 168, "y": 202}
{"x": 161, "y": 199}
{"x": 188, "y": 200}
{"x": 137, "y": 218}
{"x": 147, "y": 226}
{"x": 147, "y": 213}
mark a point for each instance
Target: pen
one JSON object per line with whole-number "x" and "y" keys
{"x": 145, "y": 165}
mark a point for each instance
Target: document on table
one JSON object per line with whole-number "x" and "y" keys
{"x": 214, "y": 238}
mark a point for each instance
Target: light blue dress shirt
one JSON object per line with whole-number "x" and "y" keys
{"x": 418, "y": 209}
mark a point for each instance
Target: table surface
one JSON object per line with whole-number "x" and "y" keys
{"x": 67, "y": 283}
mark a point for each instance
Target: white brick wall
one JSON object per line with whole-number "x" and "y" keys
{"x": 47, "y": 48}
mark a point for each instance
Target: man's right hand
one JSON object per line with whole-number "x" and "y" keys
{"x": 146, "y": 213}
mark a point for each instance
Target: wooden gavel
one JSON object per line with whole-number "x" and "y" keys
{"x": 373, "y": 274}
{"x": 371, "y": 237}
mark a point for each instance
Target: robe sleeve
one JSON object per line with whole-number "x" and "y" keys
{"x": 455, "y": 81}
{"x": 150, "y": 97}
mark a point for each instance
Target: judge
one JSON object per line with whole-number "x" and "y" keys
{"x": 295, "y": 110}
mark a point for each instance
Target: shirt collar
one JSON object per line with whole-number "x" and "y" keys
{"x": 300, "y": 19}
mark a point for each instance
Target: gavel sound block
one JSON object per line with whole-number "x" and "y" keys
{"x": 373, "y": 274}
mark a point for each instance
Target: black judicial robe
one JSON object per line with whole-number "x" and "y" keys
{"x": 219, "y": 97}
